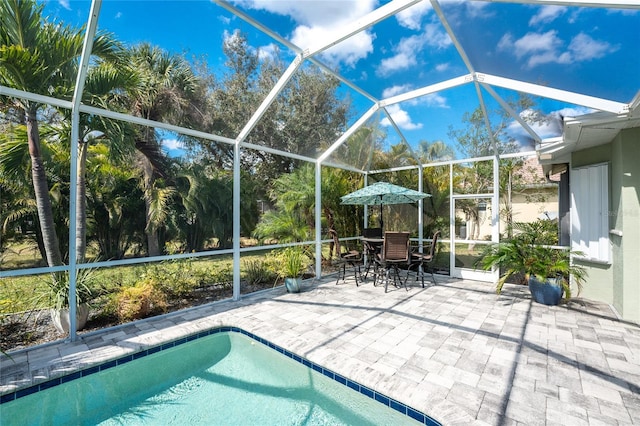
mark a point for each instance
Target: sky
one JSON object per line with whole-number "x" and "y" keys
{"x": 583, "y": 50}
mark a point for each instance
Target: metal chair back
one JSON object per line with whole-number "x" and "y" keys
{"x": 396, "y": 247}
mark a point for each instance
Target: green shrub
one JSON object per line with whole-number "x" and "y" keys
{"x": 221, "y": 275}
{"x": 258, "y": 271}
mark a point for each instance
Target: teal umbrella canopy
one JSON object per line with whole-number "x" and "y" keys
{"x": 381, "y": 193}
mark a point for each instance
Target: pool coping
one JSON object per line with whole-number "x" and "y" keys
{"x": 364, "y": 390}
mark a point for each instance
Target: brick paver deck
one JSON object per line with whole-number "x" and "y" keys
{"x": 456, "y": 350}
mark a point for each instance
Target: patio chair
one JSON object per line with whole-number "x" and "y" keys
{"x": 395, "y": 253}
{"x": 371, "y": 250}
{"x": 423, "y": 260}
{"x": 343, "y": 258}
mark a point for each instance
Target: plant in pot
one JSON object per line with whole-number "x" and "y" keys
{"x": 294, "y": 263}
{"x": 528, "y": 255}
{"x": 58, "y": 295}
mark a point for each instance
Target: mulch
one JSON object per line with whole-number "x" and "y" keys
{"x": 23, "y": 330}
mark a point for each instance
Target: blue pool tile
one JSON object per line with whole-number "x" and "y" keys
{"x": 381, "y": 398}
{"x": 416, "y": 415}
{"x": 142, "y": 354}
{"x": 27, "y": 391}
{"x": 341, "y": 379}
{"x": 398, "y": 406}
{"x": 125, "y": 359}
{"x": 431, "y": 422}
{"x": 353, "y": 385}
{"x": 366, "y": 391}
{"x": 90, "y": 370}
{"x": 154, "y": 350}
{"x": 7, "y": 397}
{"x": 70, "y": 377}
{"x": 50, "y": 383}
{"x": 109, "y": 364}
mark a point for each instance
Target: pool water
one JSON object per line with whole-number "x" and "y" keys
{"x": 224, "y": 378}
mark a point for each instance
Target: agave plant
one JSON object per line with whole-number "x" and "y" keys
{"x": 58, "y": 288}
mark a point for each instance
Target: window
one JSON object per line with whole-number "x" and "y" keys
{"x": 590, "y": 212}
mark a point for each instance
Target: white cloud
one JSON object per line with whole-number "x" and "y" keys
{"x": 396, "y": 90}
{"x": 118, "y": 15}
{"x": 347, "y": 52}
{"x": 412, "y": 17}
{"x": 320, "y": 20}
{"x": 401, "y": 118}
{"x": 268, "y": 51}
{"x": 65, "y": 4}
{"x": 434, "y": 100}
{"x": 537, "y": 44}
{"x": 442, "y": 67}
{"x": 224, "y": 19}
{"x": 405, "y": 56}
{"x": 547, "y": 14}
{"x": 543, "y": 48}
{"x": 585, "y": 48}
{"x": 172, "y": 144}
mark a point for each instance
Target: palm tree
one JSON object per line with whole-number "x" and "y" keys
{"x": 104, "y": 84}
{"x": 434, "y": 151}
{"x": 40, "y": 57}
{"x": 166, "y": 91}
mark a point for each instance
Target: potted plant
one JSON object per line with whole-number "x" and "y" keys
{"x": 546, "y": 270}
{"x": 58, "y": 295}
{"x": 294, "y": 263}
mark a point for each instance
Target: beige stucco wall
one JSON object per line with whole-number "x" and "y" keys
{"x": 619, "y": 282}
{"x": 523, "y": 207}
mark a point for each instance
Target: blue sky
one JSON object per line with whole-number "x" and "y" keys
{"x": 584, "y": 50}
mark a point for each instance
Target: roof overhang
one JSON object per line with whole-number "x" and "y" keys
{"x": 586, "y": 131}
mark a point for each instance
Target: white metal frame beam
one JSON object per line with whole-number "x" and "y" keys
{"x": 511, "y": 112}
{"x": 613, "y": 4}
{"x": 348, "y": 133}
{"x": 452, "y": 35}
{"x": 427, "y": 90}
{"x": 83, "y": 68}
{"x": 551, "y": 93}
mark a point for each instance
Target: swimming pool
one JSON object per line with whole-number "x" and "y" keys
{"x": 222, "y": 376}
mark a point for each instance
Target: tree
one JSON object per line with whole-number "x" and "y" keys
{"x": 430, "y": 152}
{"x": 306, "y": 114}
{"x": 293, "y": 194}
{"x": 105, "y": 82}
{"x": 39, "y": 57}
{"x": 167, "y": 91}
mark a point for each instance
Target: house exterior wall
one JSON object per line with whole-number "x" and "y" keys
{"x": 528, "y": 205}
{"x": 618, "y": 283}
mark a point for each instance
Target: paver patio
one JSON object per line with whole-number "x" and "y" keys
{"x": 456, "y": 350}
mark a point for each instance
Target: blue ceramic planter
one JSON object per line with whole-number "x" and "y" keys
{"x": 548, "y": 292}
{"x": 293, "y": 284}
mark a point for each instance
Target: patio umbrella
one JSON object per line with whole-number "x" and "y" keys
{"x": 381, "y": 193}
